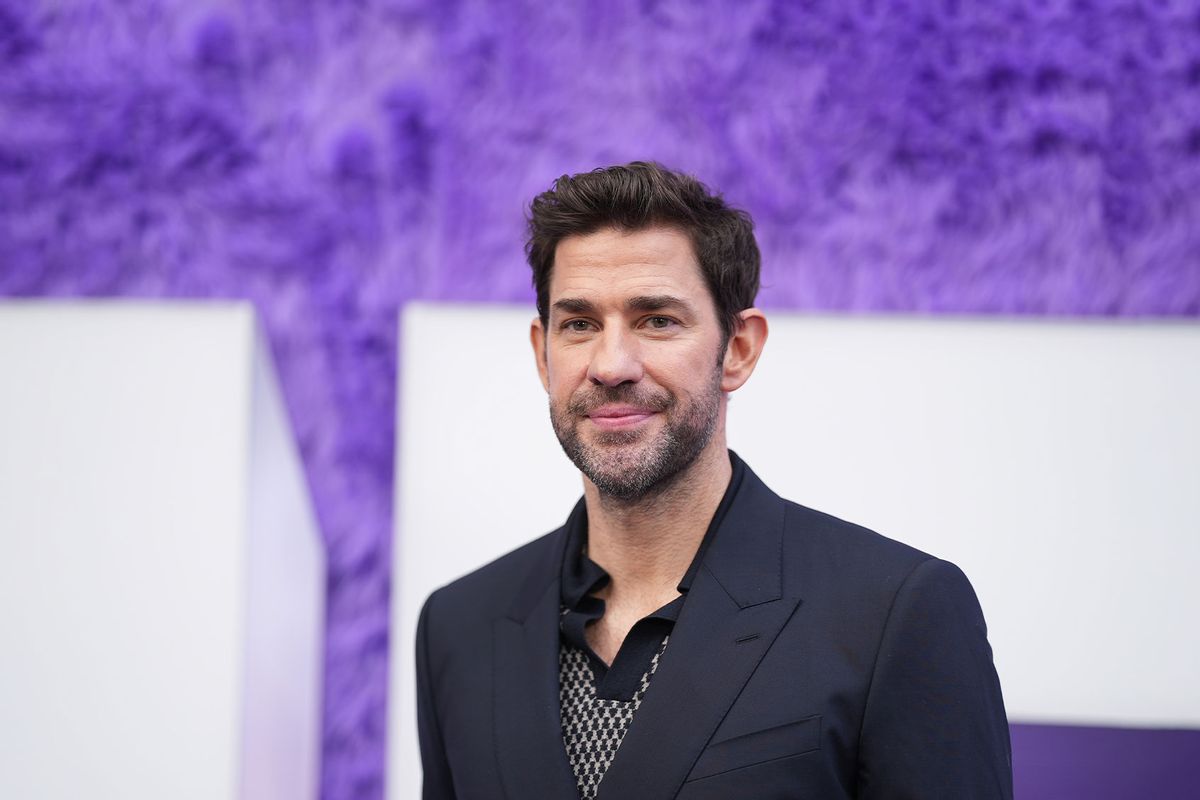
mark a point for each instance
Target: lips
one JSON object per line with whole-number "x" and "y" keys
{"x": 619, "y": 416}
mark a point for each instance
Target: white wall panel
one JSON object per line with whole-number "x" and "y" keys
{"x": 161, "y": 578}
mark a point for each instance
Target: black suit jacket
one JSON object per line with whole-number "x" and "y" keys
{"x": 812, "y": 659}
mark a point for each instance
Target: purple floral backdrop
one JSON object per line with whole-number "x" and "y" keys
{"x": 332, "y": 160}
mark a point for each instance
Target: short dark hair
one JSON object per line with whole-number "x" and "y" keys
{"x": 639, "y": 195}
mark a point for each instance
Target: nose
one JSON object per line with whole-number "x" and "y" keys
{"x": 616, "y": 359}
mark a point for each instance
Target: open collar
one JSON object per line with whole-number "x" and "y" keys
{"x": 735, "y": 608}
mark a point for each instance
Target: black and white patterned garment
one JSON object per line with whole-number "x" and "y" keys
{"x": 593, "y": 728}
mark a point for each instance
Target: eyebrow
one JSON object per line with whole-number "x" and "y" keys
{"x": 656, "y": 302}
{"x": 652, "y": 302}
{"x": 574, "y": 305}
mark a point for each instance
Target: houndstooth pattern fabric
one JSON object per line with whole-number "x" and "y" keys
{"x": 593, "y": 728}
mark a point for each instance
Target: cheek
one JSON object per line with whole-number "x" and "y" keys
{"x": 566, "y": 365}
{"x": 693, "y": 370}
{"x": 560, "y": 392}
{"x": 563, "y": 379}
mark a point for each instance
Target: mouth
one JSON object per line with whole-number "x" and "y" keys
{"x": 617, "y": 417}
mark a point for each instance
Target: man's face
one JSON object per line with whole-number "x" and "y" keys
{"x": 631, "y": 358}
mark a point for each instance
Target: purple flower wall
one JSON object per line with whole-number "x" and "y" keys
{"x": 333, "y": 160}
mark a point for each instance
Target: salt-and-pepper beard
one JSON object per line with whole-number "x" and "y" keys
{"x": 613, "y": 461}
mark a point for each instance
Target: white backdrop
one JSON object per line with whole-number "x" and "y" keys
{"x": 161, "y": 573}
{"x": 1057, "y": 462}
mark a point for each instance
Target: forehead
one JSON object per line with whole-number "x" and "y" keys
{"x": 612, "y": 261}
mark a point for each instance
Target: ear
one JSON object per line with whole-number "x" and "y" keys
{"x": 744, "y": 348}
{"x": 537, "y": 338}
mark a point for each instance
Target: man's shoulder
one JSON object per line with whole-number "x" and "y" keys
{"x": 815, "y": 539}
{"x": 845, "y": 558}
{"x": 493, "y": 588}
{"x": 835, "y": 535}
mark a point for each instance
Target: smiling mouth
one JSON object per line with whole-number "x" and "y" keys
{"x": 614, "y": 417}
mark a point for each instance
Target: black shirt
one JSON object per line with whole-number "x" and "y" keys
{"x": 581, "y": 577}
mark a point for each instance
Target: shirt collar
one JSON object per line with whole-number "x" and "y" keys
{"x": 582, "y": 577}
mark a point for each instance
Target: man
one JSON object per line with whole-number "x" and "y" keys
{"x": 687, "y": 633}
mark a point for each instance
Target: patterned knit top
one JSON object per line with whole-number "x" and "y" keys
{"x": 592, "y": 727}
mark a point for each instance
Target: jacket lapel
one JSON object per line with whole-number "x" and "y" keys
{"x": 527, "y": 724}
{"x": 733, "y": 612}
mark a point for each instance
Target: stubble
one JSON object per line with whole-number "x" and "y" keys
{"x": 631, "y": 465}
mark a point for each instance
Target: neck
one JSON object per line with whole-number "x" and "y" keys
{"x": 647, "y": 546}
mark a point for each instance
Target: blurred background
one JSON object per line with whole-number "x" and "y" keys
{"x": 330, "y": 161}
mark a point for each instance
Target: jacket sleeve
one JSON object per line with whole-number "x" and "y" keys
{"x": 437, "y": 784}
{"x": 934, "y": 725}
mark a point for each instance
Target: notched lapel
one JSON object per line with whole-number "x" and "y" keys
{"x": 734, "y": 611}
{"x": 714, "y": 649}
